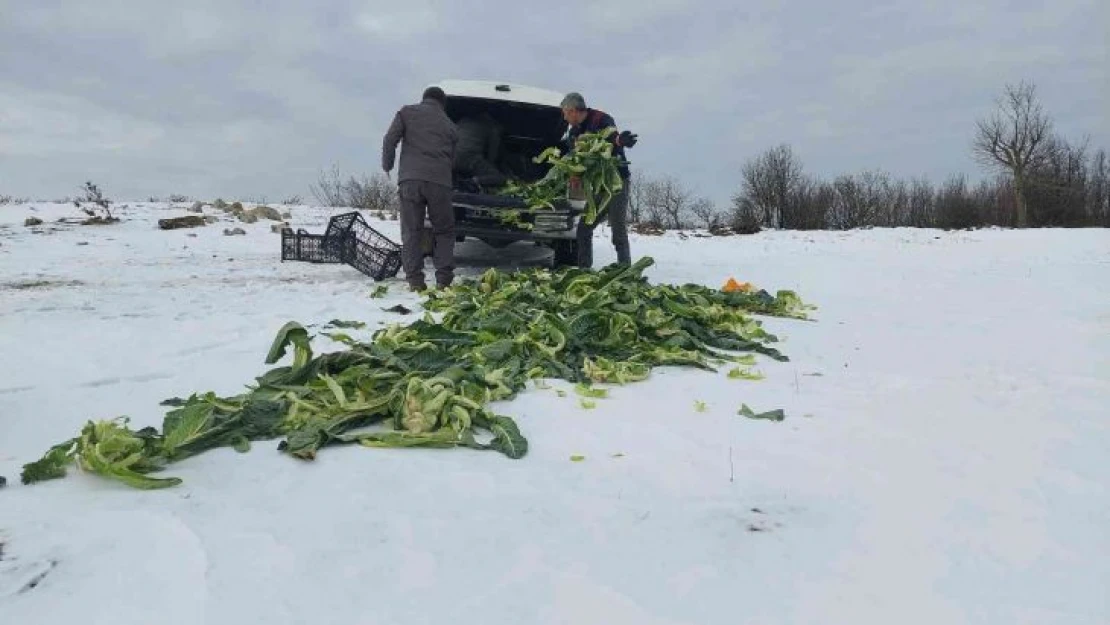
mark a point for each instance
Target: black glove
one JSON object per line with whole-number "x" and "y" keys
{"x": 626, "y": 139}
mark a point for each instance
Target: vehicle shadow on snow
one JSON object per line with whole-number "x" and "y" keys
{"x": 480, "y": 255}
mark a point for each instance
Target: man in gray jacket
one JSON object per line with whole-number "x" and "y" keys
{"x": 424, "y": 183}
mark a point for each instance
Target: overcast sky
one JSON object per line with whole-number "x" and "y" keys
{"x": 248, "y": 99}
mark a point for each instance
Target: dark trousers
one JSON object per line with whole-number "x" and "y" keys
{"x": 617, "y": 216}
{"x": 420, "y": 198}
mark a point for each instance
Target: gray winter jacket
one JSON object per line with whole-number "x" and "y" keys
{"x": 430, "y": 139}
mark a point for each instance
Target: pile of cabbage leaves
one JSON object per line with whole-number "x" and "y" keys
{"x": 592, "y": 161}
{"x": 428, "y": 383}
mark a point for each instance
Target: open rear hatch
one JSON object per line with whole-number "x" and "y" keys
{"x": 528, "y": 130}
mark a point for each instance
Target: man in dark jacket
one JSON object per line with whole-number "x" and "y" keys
{"x": 479, "y": 144}
{"x": 582, "y": 119}
{"x": 424, "y": 183}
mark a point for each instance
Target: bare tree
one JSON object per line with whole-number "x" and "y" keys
{"x": 651, "y": 204}
{"x": 706, "y": 212}
{"x": 810, "y": 205}
{"x": 954, "y": 207}
{"x": 1014, "y": 139}
{"x": 895, "y": 208}
{"x": 921, "y": 207}
{"x": 94, "y": 196}
{"x": 328, "y": 191}
{"x": 1098, "y": 192}
{"x": 636, "y": 193}
{"x": 674, "y": 200}
{"x": 376, "y": 192}
{"x": 860, "y": 199}
{"x": 1058, "y": 187}
{"x": 665, "y": 201}
{"x": 745, "y": 217}
{"x": 770, "y": 181}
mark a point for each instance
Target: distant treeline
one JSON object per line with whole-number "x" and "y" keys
{"x": 1041, "y": 179}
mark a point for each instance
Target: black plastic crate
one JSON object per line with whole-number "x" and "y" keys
{"x": 348, "y": 239}
{"x": 312, "y": 248}
{"x": 363, "y": 247}
{"x": 377, "y": 262}
{"x": 340, "y": 225}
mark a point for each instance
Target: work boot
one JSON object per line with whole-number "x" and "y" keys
{"x": 418, "y": 288}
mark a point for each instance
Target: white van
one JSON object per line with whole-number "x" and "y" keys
{"x": 532, "y": 122}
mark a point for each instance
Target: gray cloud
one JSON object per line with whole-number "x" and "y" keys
{"x": 236, "y": 98}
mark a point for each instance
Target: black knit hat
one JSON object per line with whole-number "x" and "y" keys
{"x": 435, "y": 93}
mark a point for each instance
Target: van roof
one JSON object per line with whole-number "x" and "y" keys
{"x": 491, "y": 90}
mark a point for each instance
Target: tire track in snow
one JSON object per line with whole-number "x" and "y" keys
{"x": 146, "y": 377}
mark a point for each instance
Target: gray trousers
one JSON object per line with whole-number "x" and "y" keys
{"x": 617, "y": 216}
{"x": 420, "y": 198}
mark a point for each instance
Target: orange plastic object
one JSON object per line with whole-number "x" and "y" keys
{"x": 732, "y": 285}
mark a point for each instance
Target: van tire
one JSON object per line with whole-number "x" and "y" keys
{"x": 566, "y": 253}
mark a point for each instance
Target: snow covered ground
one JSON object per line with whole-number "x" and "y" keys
{"x": 945, "y": 456}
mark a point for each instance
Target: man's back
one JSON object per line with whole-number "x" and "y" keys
{"x": 428, "y": 150}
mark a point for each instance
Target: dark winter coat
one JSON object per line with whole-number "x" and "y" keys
{"x": 429, "y": 141}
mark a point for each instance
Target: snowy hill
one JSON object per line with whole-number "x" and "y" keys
{"x": 944, "y": 458}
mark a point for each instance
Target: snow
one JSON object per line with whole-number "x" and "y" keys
{"x": 943, "y": 460}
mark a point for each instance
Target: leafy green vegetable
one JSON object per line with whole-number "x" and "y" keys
{"x": 588, "y": 391}
{"x": 108, "y": 448}
{"x": 294, "y": 334}
{"x": 745, "y": 374}
{"x": 52, "y": 465}
{"x": 429, "y": 383}
{"x": 379, "y": 291}
{"x": 205, "y": 422}
{"x": 592, "y": 161}
{"x": 700, "y": 406}
{"x": 770, "y": 415}
{"x": 577, "y": 458}
{"x": 338, "y": 323}
{"x": 340, "y": 337}
{"x": 507, "y": 438}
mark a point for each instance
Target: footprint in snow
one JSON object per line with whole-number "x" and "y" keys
{"x": 19, "y": 577}
{"x": 101, "y": 382}
{"x": 146, "y": 377}
{"x": 199, "y": 349}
